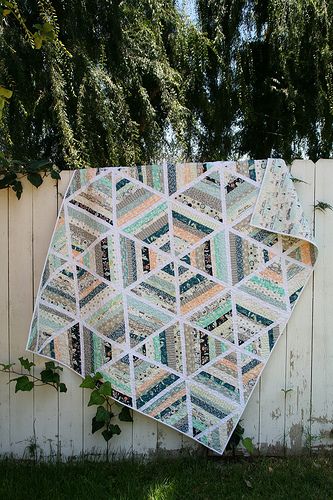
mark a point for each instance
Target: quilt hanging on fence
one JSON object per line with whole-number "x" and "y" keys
{"x": 175, "y": 282}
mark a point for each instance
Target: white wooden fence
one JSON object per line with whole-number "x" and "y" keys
{"x": 291, "y": 410}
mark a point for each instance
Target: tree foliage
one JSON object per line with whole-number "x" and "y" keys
{"x": 116, "y": 94}
{"x": 270, "y": 79}
{"x": 115, "y": 82}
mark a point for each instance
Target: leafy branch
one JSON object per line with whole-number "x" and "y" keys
{"x": 100, "y": 396}
{"x": 26, "y": 382}
{"x": 13, "y": 171}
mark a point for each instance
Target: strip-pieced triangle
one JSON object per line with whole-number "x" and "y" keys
{"x": 240, "y": 196}
{"x": 207, "y": 408}
{"x": 171, "y": 408}
{"x": 261, "y": 346}
{"x": 150, "y": 380}
{"x": 137, "y": 260}
{"x": 210, "y": 257}
{"x": 194, "y": 289}
{"x": 84, "y": 230}
{"x": 304, "y": 252}
{"x": 97, "y": 351}
{"x": 251, "y": 369}
{"x": 60, "y": 291}
{"x": 132, "y": 200}
{"x": 165, "y": 347}
{"x": 219, "y": 435}
{"x": 267, "y": 285}
{"x": 96, "y": 199}
{"x": 297, "y": 276}
{"x": 216, "y": 317}
{"x": 258, "y": 234}
{"x": 204, "y": 196}
{"x": 201, "y": 348}
{"x": 143, "y": 320}
{"x": 93, "y": 291}
{"x": 189, "y": 227}
{"x": 100, "y": 258}
{"x": 66, "y": 348}
{"x": 59, "y": 243}
{"x": 50, "y": 321}
{"x": 152, "y": 227}
{"x": 222, "y": 377}
{"x": 118, "y": 373}
{"x": 149, "y": 175}
{"x": 246, "y": 257}
{"x": 181, "y": 175}
{"x": 159, "y": 289}
{"x": 53, "y": 263}
{"x": 108, "y": 319}
{"x": 252, "y": 317}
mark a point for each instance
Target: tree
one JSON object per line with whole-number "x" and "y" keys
{"x": 114, "y": 97}
{"x": 118, "y": 82}
{"x": 269, "y": 80}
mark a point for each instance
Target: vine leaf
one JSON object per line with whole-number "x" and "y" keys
{"x": 96, "y": 425}
{"x": 23, "y": 383}
{"x": 125, "y": 415}
{"x": 26, "y": 363}
{"x": 248, "y": 445}
{"x": 88, "y": 383}
{"x": 96, "y": 398}
{"x": 105, "y": 389}
{"x": 35, "y": 179}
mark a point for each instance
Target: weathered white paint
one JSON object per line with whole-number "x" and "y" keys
{"x": 291, "y": 408}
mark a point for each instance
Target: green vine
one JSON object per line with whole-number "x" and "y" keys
{"x": 103, "y": 419}
{"x": 27, "y": 381}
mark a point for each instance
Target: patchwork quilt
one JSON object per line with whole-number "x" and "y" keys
{"x": 175, "y": 282}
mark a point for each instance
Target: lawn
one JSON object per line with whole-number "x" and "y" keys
{"x": 183, "y": 478}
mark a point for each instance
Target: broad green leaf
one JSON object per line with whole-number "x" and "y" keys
{"x": 26, "y": 363}
{"x": 96, "y": 425}
{"x": 38, "y": 165}
{"x": 125, "y": 415}
{"x": 98, "y": 376}
{"x": 5, "y": 92}
{"x": 7, "y": 180}
{"x": 50, "y": 365}
{"x": 23, "y": 384}
{"x": 102, "y": 414}
{"x": 55, "y": 175}
{"x": 88, "y": 383}
{"x": 111, "y": 431}
{"x": 105, "y": 389}
{"x": 17, "y": 188}
{"x": 49, "y": 376}
{"x": 96, "y": 398}
{"x": 62, "y": 387}
{"x": 35, "y": 179}
{"x": 248, "y": 445}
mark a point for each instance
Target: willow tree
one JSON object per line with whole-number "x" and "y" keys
{"x": 109, "y": 82}
{"x": 269, "y": 80}
{"x": 107, "y": 88}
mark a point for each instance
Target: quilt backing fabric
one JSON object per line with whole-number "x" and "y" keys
{"x": 175, "y": 282}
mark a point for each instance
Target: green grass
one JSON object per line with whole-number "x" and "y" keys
{"x": 183, "y": 478}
